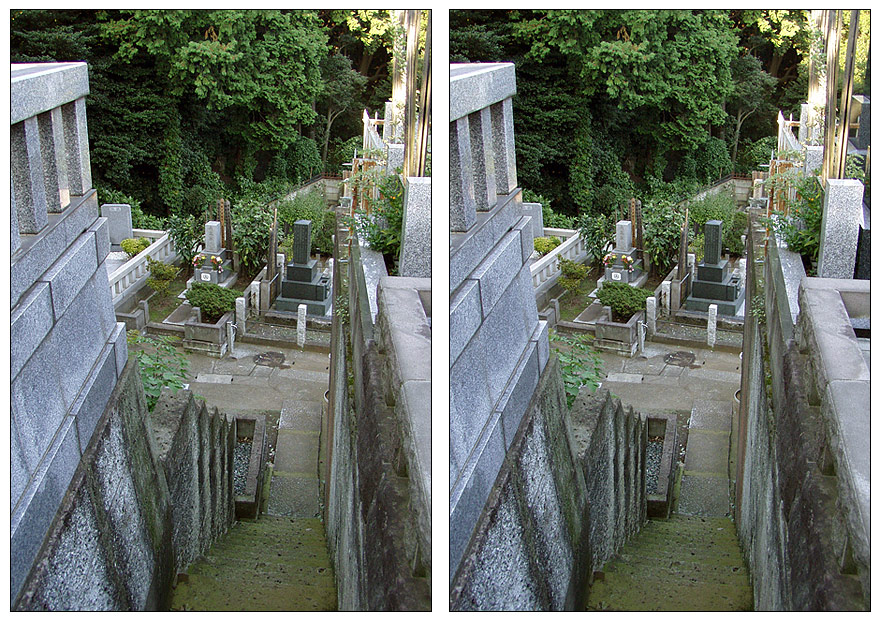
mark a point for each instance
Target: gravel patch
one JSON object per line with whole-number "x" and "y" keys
{"x": 652, "y": 464}
{"x": 241, "y": 458}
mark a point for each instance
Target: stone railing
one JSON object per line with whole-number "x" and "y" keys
{"x": 786, "y": 140}
{"x": 133, "y": 273}
{"x": 546, "y": 269}
{"x": 372, "y": 139}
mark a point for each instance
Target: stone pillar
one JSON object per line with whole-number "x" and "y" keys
{"x": 642, "y": 328}
{"x": 651, "y": 306}
{"x": 503, "y": 145}
{"x": 862, "y": 111}
{"x": 623, "y": 237}
{"x": 28, "y": 182}
{"x": 665, "y": 293}
{"x": 51, "y": 126}
{"x": 462, "y": 205}
{"x": 301, "y": 325}
{"x": 712, "y": 247}
{"x": 803, "y": 128}
{"x": 813, "y": 160}
{"x": 710, "y": 327}
{"x": 485, "y": 196}
{"x": 76, "y": 146}
{"x": 230, "y": 337}
{"x": 415, "y": 243}
{"x": 241, "y": 314}
{"x": 842, "y": 213}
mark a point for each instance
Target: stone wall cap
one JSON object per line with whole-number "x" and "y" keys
{"x": 474, "y": 86}
{"x": 39, "y": 87}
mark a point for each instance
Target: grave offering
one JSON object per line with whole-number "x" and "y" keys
{"x": 714, "y": 282}
{"x": 622, "y": 264}
{"x": 212, "y": 263}
{"x": 302, "y": 283}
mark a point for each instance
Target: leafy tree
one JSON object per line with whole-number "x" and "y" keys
{"x": 752, "y": 87}
{"x": 597, "y": 232}
{"x": 251, "y": 229}
{"x": 184, "y": 232}
{"x": 342, "y": 88}
{"x": 662, "y": 224}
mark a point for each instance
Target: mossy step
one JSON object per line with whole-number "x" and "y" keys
{"x": 659, "y": 551}
{"x": 205, "y": 593}
{"x": 244, "y": 548}
{"x": 214, "y": 566}
{"x": 673, "y": 571}
{"x": 617, "y": 592}
{"x": 699, "y": 525}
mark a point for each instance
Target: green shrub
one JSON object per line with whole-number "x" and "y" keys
{"x": 184, "y": 232}
{"x": 573, "y": 274}
{"x": 580, "y": 364}
{"x": 597, "y": 232}
{"x": 382, "y": 227}
{"x": 543, "y": 245}
{"x": 802, "y": 228}
{"x": 251, "y": 229}
{"x": 213, "y": 299}
{"x": 309, "y": 206}
{"x": 134, "y": 246}
{"x": 624, "y": 300}
{"x": 160, "y": 364}
{"x": 161, "y": 275}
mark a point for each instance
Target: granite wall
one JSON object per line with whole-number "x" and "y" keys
{"x": 150, "y": 493}
{"x": 570, "y": 492}
{"x": 802, "y": 467}
{"x": 377, "y": 485}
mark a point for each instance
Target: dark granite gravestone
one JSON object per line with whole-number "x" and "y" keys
{"x": 302, "y": 241}
{"x": 712, "y": 242}
{"x": 714, "y": 283}
{"x": 302, "y": 282}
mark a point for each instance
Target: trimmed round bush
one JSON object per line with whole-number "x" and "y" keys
{"x": 134, "y": 246}
{"x": 543, "y": 245}
{"x": 213, "y": 299}
{"x": 625, "y": 301}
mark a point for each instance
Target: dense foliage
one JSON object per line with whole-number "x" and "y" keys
{"x": 625, "y": 301}
{"x": 579, "y": 363}
{"x": 543, "y": 245}
{"x": 382, "y": 227}
{"x": 187, "y": 106}
{"x": 161, "y": 365}
{"x": 213, "y": 300}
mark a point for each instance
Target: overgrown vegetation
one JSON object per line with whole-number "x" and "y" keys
{"x": 161, "y": 276}
{"x": 543, "y": 245}
{"x": 573, "y": 274}
{"x": 160, "y": 364}
{"x": 802, "y": 227}
{"x": 308, "y": 206}
{"x": 579, "y": 362}
{"x": 382, "y": 227}
{"x": 213, "y": 300}
{"x": 133, "y": 246}
{"x": 720, "y": 206}
{"x": 625, "y": 301}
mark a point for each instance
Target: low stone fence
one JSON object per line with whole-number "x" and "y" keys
{"x": 545, "y": 271}
{"x": 802, "y": 452}
{"x": 376, "y": 487}
{"x": 127, "y": 279}
{"x": 569, "y": 494}
{"x": 151, "y": 493}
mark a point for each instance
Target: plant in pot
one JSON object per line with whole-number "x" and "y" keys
{"x": 625, "y": 301}
{"x": 212, "y": 299}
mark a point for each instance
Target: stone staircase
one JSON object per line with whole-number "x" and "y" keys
{"x": 274, "y": 563}
{"x": 683, "y": 563}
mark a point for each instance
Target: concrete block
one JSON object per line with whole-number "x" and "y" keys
{"x": 393, "y": 158}
{"x": 536, "y": 213}
{"x": 89, "y": 405}
{"x": 76, "y": 139}
{"x": 465, "y": 317}
{"x": 28, "y": 181}
{"x": 471, "y": 490}
{"x": 504, "y": 336}
{"x": 505, "y": 150}
{"x": 415, "y": 244}
{"x": 71, "y": 271}
{"x": 842, "y": 213}
{"x": 15, "y": 238}
{"x": 102, "y": 238}
{"x": 483, "y": 160}
{"x": 813, "y": 157}
{"x": 31, "y": 321}
{"x": 469, "y": 404}
{"x": 31, "y": 518}
{"x": 527, "y": 241}
{"x": 541, "y": 337}
{"x": 19, "y": 472}
{"x": 118, "y": 221}
{"x": 36, "y": 407}
{"x": 54, "y": 160}
{"x": 470, "y": 248}
{"x": 497, "y": 270}
{"x": 415, "y": 396}
{"x": 462, "y": 200}
{"x": 474, "y": 86}
{"x": 516, "y": 396}
{"x": 38, "y": 87}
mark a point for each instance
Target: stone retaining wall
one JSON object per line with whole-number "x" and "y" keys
{"x": 151, "y": 493}
{"x": 570, "y": 492}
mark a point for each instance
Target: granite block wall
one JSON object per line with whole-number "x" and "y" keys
{"x": 123, "y": 528}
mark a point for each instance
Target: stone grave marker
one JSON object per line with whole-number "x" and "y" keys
{"x": 302, "y": 241}
{"x": 623, "y": 238}
{"x": 712, "y": 247}
{"x": 213, "y": 244}
{"x": 118, "y": 222}
{"x": 301, "y": 325}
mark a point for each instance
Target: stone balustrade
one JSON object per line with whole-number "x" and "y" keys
{"x": 372, "y": 139}
{"x": 546, "y": 268}
{"x": 786, "y": 140}
{"x": 133, "y": 273}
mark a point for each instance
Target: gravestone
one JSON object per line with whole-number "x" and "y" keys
{"x": 301, "y": 325}
{"x": 841, "y": 216}
{"x": 626, "y": 267}
{"x": 712, "y": 325}
{"x": 623, "y": 237}
{"x": 241, "y": 314}
{"x": 651, "y": 306}
{"x": 302, "y": 283}
{"x": 213, "y": 247}
{"x": 213, "y": 243}
{"x": 118, "y": 222}
{"x": 714, "y": 282}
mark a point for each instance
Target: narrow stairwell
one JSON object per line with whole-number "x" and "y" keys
{"x": 683, "y": 563}
{"x": 274, "y": 563}
{"x": 691, "y": 561}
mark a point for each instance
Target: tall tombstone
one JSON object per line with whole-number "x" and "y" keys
{"x": 118, "y": 222}
{"x": 213, "y": 245}
{"x": 639, "y": 230}
{"x": 302, "y": 241}
{"x": 221, "y": 216}
{"x": 839, "y": 238}
{"x": 623, "y": 238}
{"x": 712, "y": 242}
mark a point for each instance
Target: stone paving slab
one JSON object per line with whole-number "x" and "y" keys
{"x": 707, "y": 452}
{"x": 730, "y": 377}
{"x": 296, "y": 452}
{"x": 299, "y": 374}
{"x": 653, "y": 365}
{"x": 300, "y": 415}
{"x": 704, "y": 495}
{"x": 293, "y": 496}
{"x": 711, "y": 415}
{"x": 633, "y": 378}
{"x": 234, "y": 367}
{"x": 670, "y": 370}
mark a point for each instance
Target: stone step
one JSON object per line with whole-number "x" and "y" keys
{"x": 676, "y": 570}
{"x": 654, "y": 552}
{"x": 205, "y": 593}
{"x": 617, "y": 592}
